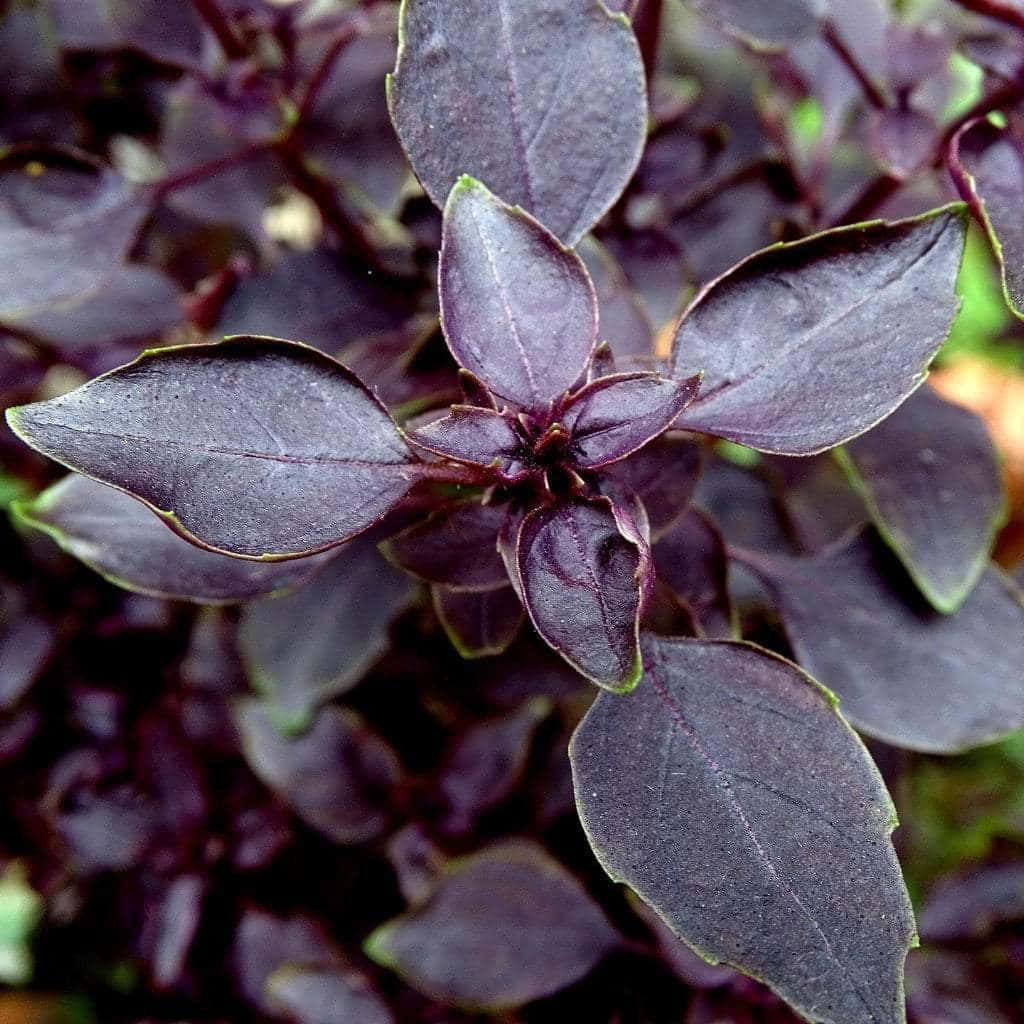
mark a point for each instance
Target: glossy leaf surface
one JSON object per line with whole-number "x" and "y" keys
{"x": 932, "y": 481}
{"x": 518, "y": 309}
{"x": 583, "y": 568}
{"x": 479, "y": 623}
{"x": 730, "y": 795}
{"x": 319, "y": 640}
{"x": 904, "y": 673}
{"x": 504, "y": 927}
{"x": 254, "y": 446}
{"x": 519, "y": 91}
{"x": 808, "y": 344}
{"x": 335, "y": 777}
{"x": 613, "y": 417}
{"x": 987, "y": 164}
{"x": 126, "y": 543}
{"x": 456, "y": 546}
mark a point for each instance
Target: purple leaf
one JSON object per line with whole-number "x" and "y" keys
{"x": 932, "y": 481}
{"x": 517, "y": 307}
{"x": 518, "y": 91}
{"x": 64, "y": 233}
{"x": 337, "y": 777}
{"x": 174, "y": 927}
{"x": 973, "y": 904}
{"x": 952, "y": 988}
{"x": 584, "y": 568}
{"x": 613, "y": 417}
{"x": 127, "y": 544}
{"x": 504, "y": 927}
{"x": 318, "y": 641}
{"x": 730, "y": 795}
{"x": 487, "y": 762}
{"x": 456, "y": 546}
{"x": 856, "y": 315}
{"x": 480, "y": 437}
{"x": 903, "y": 139}
{"x": 27, "y": 645}
{"x": 253, "y": 446}
{"x": 529, "y": 669}
{"x": 987, "y": 164}
{"x": 318, "y": 996}
{"x": 777, "y": 24}
{"x": 904, "y": 673}
{"x": 691, "y": 559}
{"x": 663, "y": 476}
{"x": 479, "y": 623}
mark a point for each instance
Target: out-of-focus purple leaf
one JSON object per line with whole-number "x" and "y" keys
{"x": 612, "y": 417}
{"x": 623, "y": 322}
{"x": 505, "y": 926}
{"x": 416, "y": 861}
{"x": 528, "y": 669}
{"x": 130, "y": 546}
{"x": 584, "y": 568}
{"x": 337, "y": 777}
{"x": 316, "y": 297}
{"x": 517, "y": 307}
{"x": 691, "y": 558}
{"x": 135, "y": 302}
{"x": 951, "y": 988}
{"x": 663, "y": 475}
{"x": 973, "y": 904}
{"x": 264, "y": 943}
{"x": 108, "y": 832}
{"x": 480, "y": 437}
{"x": 456, "y": 546}
{"x": 27, "y": 643}
{"x": 321, "y": 996}
{"x": 987, "y": 164}
{"x": 857, "y": 315}
{"x": 174, "y": 928}
{"x": 932, "y": 481}
{"x": 319, "y": 640}
{"x": 730, "y": 795}
{"x": 903, "y": 139}
{"x": 904, "y": 673}
{"x": 479, "y": 623}
{"x": 519, "y": 92}
{"x": 65, "y": 226}
{"x": 487, "y": 762}
{"x": 254, "y": 446}
{"x": 778, "y": 24}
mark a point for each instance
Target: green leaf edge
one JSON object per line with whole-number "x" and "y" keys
{"x": 833, "y": 701}
{"x": 466, "y": 651}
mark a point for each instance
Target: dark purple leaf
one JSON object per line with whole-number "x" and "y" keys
{"x": 731, "y": 797}
{"x": 487, "y": 762}
{"x": 613, "y": 417}
{"x": 624, "y": 323}
{"x": 856, "y": 316}
{"x": 319, "y": 996}
{"x": 663, "y": 475}
{"x": 987, "y": 164}
{"x": 584, "y": 567}
{"x": 108, "y": 832}
{"x": 254, "y": 446}
{"x": 317, "y": 298}
{"x": 481, "y": 437}
{"x": 973, "y": 904}
{"x": 265, "y": 943}
{"x": 904, "y": 673}
{"x": 951, "y": 988}
{"x": 416, "y": 860}
{"x": 903, "y": 139}
{"x": 528, "y": 669}
{"x": 64, "y": 232}
{"x": 174, "y": 928}
{"x": 779, "y": 23}
{"x": 127, "y": 544}
{"x": 336, "y": 777}
{"x": 932, "y": 481}
{"x": 318, "y": 641}
{"x": 505, "y": 926}
{"x": 479, "y": 623}
{"x": 456, "y": 546}
{"x": 544, "y": 102}
{"x": 27, "y": 643}
{"x": 517, "y": 307}
{"x": 690, "y": 557}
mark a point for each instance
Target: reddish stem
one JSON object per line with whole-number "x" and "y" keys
{"x": 1003, "y": 12}
{"x": 874, "y": 94}
{"x": 218, "y": 23}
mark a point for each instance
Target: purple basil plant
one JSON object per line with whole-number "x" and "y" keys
{"x": 551, "y": 497}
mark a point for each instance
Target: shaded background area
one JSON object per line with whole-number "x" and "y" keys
{"x": 205, "y": 813}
